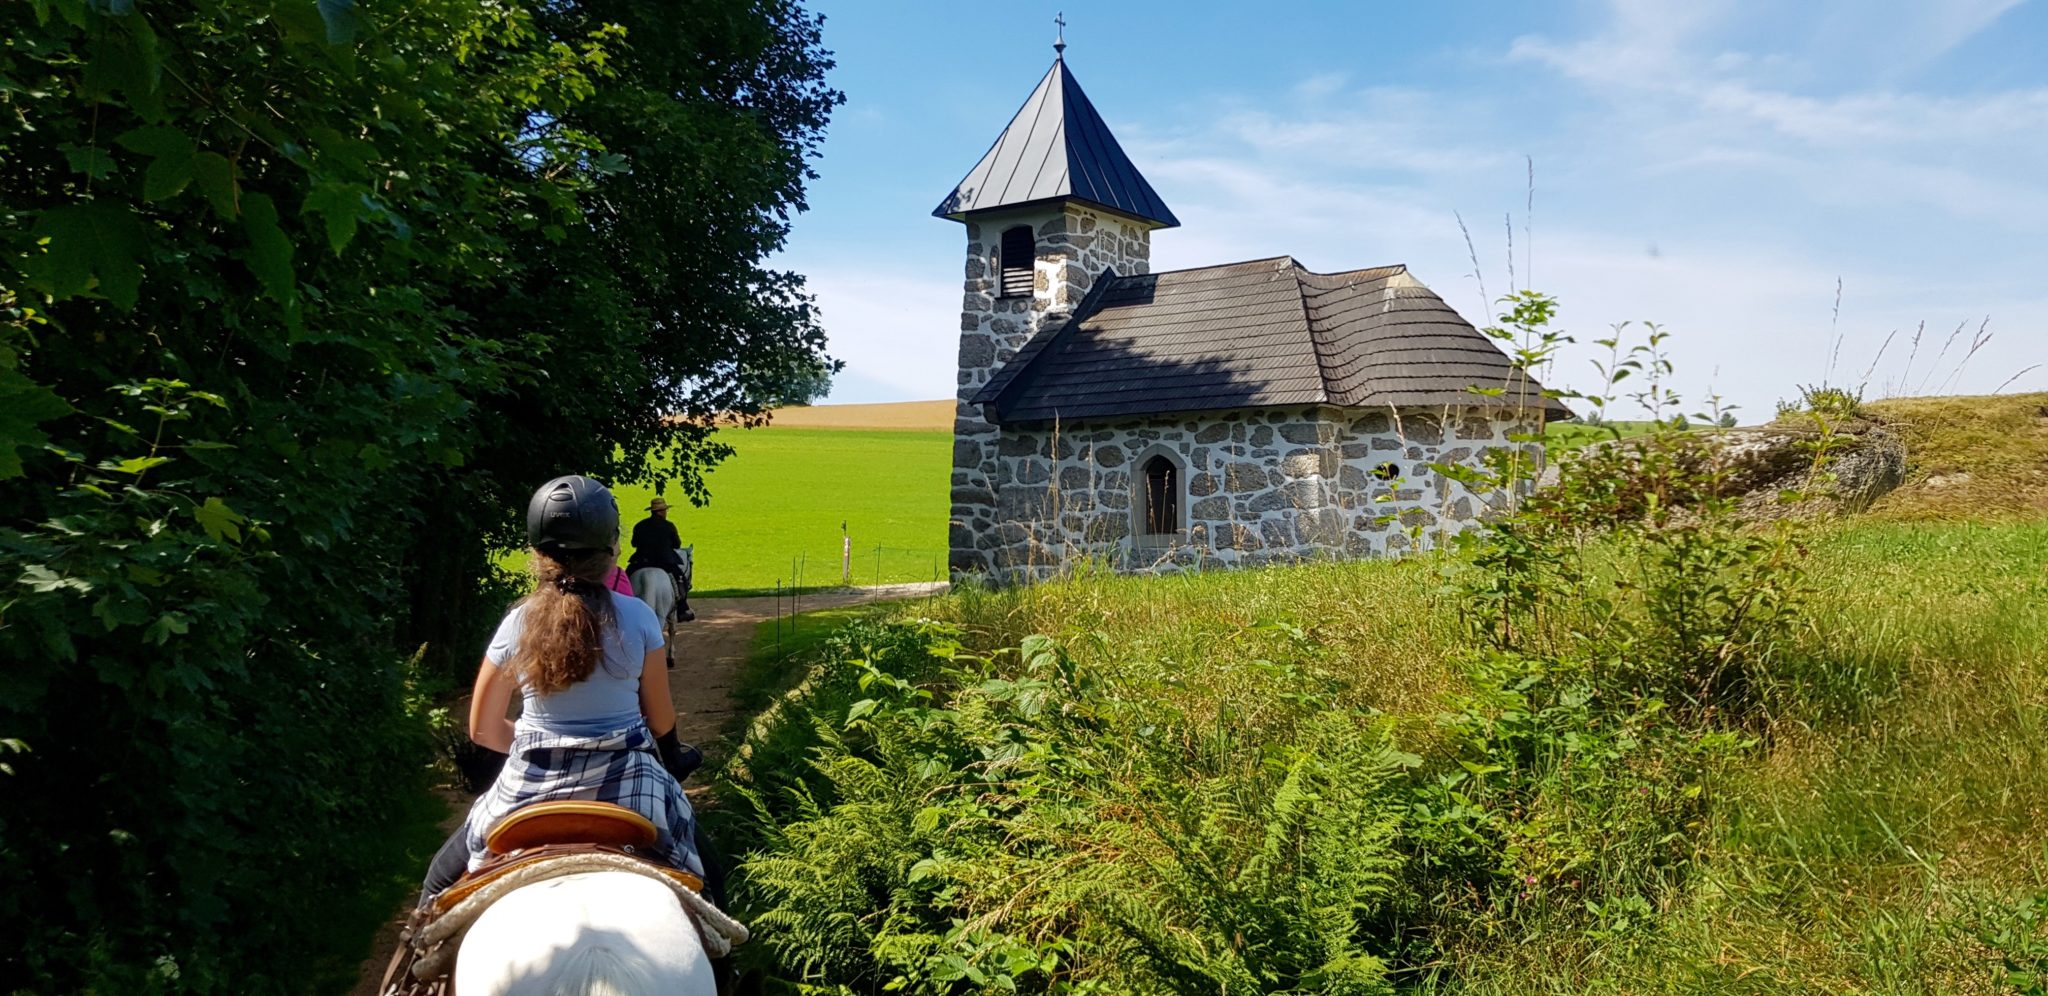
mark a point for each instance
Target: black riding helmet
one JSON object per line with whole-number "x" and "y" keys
{"x": 572, "y": 513}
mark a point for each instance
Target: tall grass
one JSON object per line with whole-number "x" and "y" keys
{"x": 1383, "y": 630}
{"x": 1972, "y": 459}
{"x": 1864, "y": 850}
{"x": 1884, "y": 821}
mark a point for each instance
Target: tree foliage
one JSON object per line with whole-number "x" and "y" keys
{"x": 298, "y": 298}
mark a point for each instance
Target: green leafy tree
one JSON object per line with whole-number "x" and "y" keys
{"x": 804, "y": 382}
{"x": 630, "y": 335}
{"x": 297, "y": 299}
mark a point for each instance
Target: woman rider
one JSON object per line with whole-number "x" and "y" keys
{"x": 596, "y": 722}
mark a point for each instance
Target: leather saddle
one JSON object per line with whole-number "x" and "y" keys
{"x": 543, "y": 830}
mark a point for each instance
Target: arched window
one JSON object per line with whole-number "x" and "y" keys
{"x": 1013, "y": 262}
{"x": 1161, "y": 512}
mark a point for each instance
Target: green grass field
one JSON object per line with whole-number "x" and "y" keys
{"x": 1561, "y": 436}
{"x": 781, "y": 496}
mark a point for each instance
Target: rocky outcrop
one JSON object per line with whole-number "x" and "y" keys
{"x": 1790, "y": 470}
{"x": 1836, "y": 472}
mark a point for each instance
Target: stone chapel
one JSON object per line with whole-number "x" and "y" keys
{"x": 1225, "y": 415}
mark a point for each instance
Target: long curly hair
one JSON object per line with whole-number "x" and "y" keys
{"x": 563, "y": 623}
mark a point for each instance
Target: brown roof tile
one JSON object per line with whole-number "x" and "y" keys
{"x": 1254, "y": 334}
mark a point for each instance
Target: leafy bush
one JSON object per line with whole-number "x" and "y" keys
{"x": 1570, "y": 795}
{"x": 859, "y": 871}
{"x": 1272, "y": 870}
{"x": 1823, "y": 402}
{"x": 1635, "y": 637}
{"x": 1635, "y": 555}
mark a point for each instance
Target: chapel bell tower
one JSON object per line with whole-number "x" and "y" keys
{"x": 1051, "y": 206}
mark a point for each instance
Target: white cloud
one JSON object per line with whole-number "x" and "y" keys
{"x": 1322, "y": 84}
{"x": 1640, "y": 45}
{"x": 1655, "y": 61}
{"x": 884, "y": 326}
{"x": 1898, "y": 40}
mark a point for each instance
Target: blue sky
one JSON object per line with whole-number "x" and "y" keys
{"x": 1712, "y": 165}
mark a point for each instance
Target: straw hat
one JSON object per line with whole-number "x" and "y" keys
{"x": 658, "y": 505}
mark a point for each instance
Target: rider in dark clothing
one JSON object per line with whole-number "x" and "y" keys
{"x": 656, "y": 544}
{"x": 656, "y": 533}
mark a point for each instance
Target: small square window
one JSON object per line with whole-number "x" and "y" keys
{"x": 1014, "y": 258}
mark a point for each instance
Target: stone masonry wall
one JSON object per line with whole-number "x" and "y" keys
{"x": 1074, "y": 245}
{"x": 1257, "y": 486}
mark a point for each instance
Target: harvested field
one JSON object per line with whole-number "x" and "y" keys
{"x": 913, "y": 415}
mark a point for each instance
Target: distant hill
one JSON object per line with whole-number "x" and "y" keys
{"x": 1979, "y": 458}
{"x": 914, "y": 415}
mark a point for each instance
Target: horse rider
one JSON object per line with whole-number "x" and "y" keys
{"x": 587, "y": 662}
{"x": 657, "y": 544}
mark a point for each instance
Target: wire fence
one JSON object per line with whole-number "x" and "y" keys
{"x": 873, "y": 566}
{"x": 858, "y": 567}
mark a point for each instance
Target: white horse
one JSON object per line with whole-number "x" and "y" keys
{"x": 606, "y": 933}
{"x": 653, "y": 586}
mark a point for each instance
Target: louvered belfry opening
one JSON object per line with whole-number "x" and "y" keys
{"x": 1162, "y": 497}
{"x": 1014, "y": 257}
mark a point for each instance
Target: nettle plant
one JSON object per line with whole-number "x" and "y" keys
{"x": 1633, "y": 549}
{"x": 1625, "y": 620}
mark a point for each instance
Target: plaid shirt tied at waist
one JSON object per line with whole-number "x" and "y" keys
{"x": 620, "y": 767}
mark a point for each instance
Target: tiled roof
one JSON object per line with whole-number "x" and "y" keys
{"x": 1055, "y": 148}
{"x": 1256, "y": 334}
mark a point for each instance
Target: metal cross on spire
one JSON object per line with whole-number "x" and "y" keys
{"x": 1059, "y": 44}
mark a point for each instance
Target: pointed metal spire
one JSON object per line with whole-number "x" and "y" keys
{"x": 1059, "y": 42}
{"x": 1057, "y": 148}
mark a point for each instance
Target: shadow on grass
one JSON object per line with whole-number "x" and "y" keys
{"x": 785, "y": 648}
{"x": 770, "y": 592}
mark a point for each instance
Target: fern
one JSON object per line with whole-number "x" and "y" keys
{"x": 1268, "y": 872}
{"x": 994, "y": 831}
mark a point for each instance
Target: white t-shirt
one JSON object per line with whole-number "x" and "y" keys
{"x": 609, "y": 699}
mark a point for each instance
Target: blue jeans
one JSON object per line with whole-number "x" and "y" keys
{"x": 447, "y": 867}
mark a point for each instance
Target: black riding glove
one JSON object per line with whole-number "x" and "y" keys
{"x": 477, "y": 764}
{"x": 678, "y": 757}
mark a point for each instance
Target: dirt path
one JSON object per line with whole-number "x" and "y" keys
{"x": 711, "y": 651}
{"x": 709, "y": 655}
